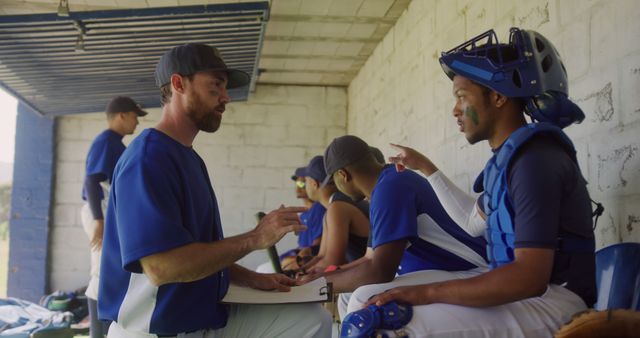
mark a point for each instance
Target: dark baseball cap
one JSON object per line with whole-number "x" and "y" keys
{"x": 343, "y": 151}
{"x": 315, "y": 169}
{"x": 124, "y": 104}
{"x": 377, "y": 154}
{"x": 298, "y": 173}
{"x": 191, "y": 58}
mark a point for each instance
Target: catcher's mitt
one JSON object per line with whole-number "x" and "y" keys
{"x": 601, "y": 324}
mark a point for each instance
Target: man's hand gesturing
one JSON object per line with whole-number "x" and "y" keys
{"x": 276, "y": 224}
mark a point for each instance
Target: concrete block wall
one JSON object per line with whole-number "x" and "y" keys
{"x": 401, "y": 94}
{"x": 250, "y": 160}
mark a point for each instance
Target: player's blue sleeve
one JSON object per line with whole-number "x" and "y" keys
{"x": 94, "y": 192}
{"x": 149, "y": 200}
{"x": 393, "y": 213}
{"x": 303, "y": 235}
{"x": 313, "y": 219}
{"x": 303, "y": 239}
{"x": 315, "y": 228}
{"x": 101, "y": 159}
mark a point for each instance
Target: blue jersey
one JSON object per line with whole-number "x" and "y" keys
{"x": 313, "y": 220}
{"x": 404, "y": 206}
{"x": 103, "y": 155}
{"x": 161, "y": 199}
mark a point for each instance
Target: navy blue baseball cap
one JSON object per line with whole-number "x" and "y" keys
{"x": 315, "y": 169}
{"x": 298, "y": 173}
{"x": 191, "y": 58}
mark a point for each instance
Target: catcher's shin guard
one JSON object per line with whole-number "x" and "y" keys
{"x": 364, "y": 323}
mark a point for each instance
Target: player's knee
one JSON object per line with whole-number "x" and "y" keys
{"x": 315, "y": 313}
{"x": 324, "y": 318}
{"x": 360, "y": 297}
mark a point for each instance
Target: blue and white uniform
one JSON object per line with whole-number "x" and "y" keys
{"x": 404, "y": 206}
{"x": 101, "y": 160}
{"x": 103, "y": 155}
{"x": 549, "y": 197}
{"x": 162, "y": 199}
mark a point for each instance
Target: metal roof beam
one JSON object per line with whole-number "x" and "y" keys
{"x": 68, "y": 76}
{"x": 89, "y": 45}
{"x": 72, "y": 38}
{"x": 309, "y": 71}
{"x": 82, "y": 57}
{"x": 47, "y": 25}
{"x": 315, "y": 57}
{"x": 29, "y": 63}
{"x": 158, "y": 48}
{"x": 140, "y": 12}
{"x": 97, "y": 32}
{"x": 40, "y": 69}
{"x": 332, "y": 19}
{"x": 317, "y": 39}
{"x": 39, "y": 63}
{"x": 92, "y": 27}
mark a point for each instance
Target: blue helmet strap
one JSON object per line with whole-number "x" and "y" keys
{"x": 554, "y": 108}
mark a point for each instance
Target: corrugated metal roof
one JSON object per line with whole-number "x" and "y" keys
{"x": 76, "y": 64}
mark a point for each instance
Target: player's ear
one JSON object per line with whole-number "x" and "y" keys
{"x": 177, "y": 83}
{"x": 344, "y": 174}
{"x": 497, "y": 99}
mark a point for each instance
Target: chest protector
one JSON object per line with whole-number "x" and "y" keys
{"x": 498, "y": 205}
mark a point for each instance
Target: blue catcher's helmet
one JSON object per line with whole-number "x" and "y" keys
{"x": 528, "y": 67}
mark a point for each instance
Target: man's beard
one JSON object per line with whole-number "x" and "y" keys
{"x": 207, "y": 120}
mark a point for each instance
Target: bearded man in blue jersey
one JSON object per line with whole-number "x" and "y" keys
{"x": 166, "y": 264}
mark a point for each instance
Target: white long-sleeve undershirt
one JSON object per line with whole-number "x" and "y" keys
{"x": 460, "y": 206}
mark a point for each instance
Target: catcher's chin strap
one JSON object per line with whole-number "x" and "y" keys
{"x": 597, "y": 213}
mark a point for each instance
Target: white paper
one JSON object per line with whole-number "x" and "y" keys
{"x": 315, "y": 291}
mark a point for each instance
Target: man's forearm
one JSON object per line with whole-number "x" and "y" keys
{"x": 508, "y": 283}
{"x": 490, "y": 289}
{"x": 381, "y": 268}
{"x": 355, "y": 263}
{"x": 195, "y": 261}
{"x": 361, "y": 274}
{"x": 239, "y": 274}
